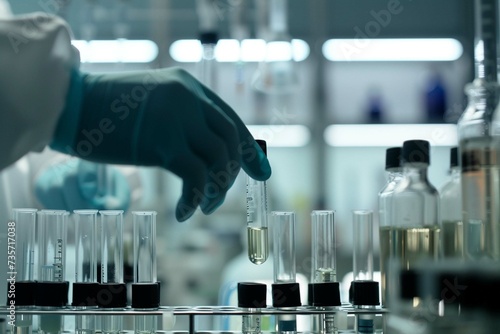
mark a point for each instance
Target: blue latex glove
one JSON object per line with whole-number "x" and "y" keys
{"x": 74, "y": 185}
{"x": 163, "y": 118}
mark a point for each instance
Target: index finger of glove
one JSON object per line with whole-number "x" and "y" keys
{"x": 253, "y": 159}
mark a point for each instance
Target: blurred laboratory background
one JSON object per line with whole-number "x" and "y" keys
{"x": 330, "y": 85}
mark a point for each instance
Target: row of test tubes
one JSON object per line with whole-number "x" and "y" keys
{"x": 45, "y": 286}
{"x": 323, "y": 289}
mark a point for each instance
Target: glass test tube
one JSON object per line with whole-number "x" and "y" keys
{"x": 324, "y": 269}
{"x": 114, "y": 297}
{"x": 284, "y": 269}
{"x": 53, "y": 289}
{"x": 52, "y": 229}
{"x": 363, "y": 270}
{"x": 363, "y": 245}
{"x": 323, "y": 247}
{"x": 85, "y": 286}
{"x": 284, "y": 246}
{"x": 22, "y": 236}
{"x": 111, "y": 246}
{"x": 257, "y": 232}
{"x": 25, "y": 220}
{"x": 208, "y": 64}
{"x": 145, "y": 293}
{"x": 252, "y": 298}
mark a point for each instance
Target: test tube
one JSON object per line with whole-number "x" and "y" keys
{"x": 146, "y": 289}
{"x": 364, "y": 292}
{"x": 85, "y": 286}
{"x": 324, "y": 291}
{"x": 323, "y": 246}
{"x": 257, "y": 233}
{"x": 112, "y": 291}
{"x": 21, "y": 252}
{"x": 286, "y": 293}
{"x": 208, "y": 34}
{"x": 52, "y": 289}
{"x": 363, "y": 245}
{"x": 251, "y": 298}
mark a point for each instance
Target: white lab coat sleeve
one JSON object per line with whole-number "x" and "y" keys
{"x": 36, "y": 58}
{"x": 5, "y": 11}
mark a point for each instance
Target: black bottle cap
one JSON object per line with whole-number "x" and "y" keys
{"x": 112, "y": 295}
{"x": 23, "y": 293}
{"x": 209, "y": 37}
{"x": 85, "y": 294}
{"x": 416, "y": 151}
{"x": 286, "y": 295}
{"x": 408, "y": 284}
{"x": 324, "y": 294}
{"x": 146, "y": 295}
{"x": 52, "y": 294}
{"x": 252, "y": 295}
{"x": 454, "y": 157}
{"x": 263, "y": 145}
{"x": 450, "y": 287}
{"x": 477, "y": 291}
{"x": 393, "y": 157}
{"x": 364, "y": 293}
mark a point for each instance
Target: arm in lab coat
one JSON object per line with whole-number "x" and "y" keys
{"x": 36, "y": 58}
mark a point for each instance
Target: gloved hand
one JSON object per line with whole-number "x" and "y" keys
{"x": 75, "y": 185}
{"x": 161, "y": 118}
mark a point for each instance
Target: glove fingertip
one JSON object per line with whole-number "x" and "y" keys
{"x": 261, "y": 171}
{"x": 183, "y": 211}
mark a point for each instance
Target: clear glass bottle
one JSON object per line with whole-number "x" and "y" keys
{"x": 451, "y": 211}
{"x": 394, "y": 173}
{"x": 416, "y": 231}
{"x": 479, "y": 135}
{"x": 480, "y": 156}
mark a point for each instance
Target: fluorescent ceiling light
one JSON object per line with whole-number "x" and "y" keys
{"x": 227, "y": 50}
{"x": 279, "y": 51}
{"x": 387, "y": 135}
{"x": 116, "y": 51}
{"x": 416, "y": 49}
{"x": 249, "y": 50}
{"x": 282, "y": 135}
{"x": 253, "y": 50}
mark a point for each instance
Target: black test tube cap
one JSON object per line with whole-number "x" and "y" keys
{"x": 85, "y": 294}
{"x": 146, "y": 295}
{"x": 286, "y": 295}
{"x": 53, "y": 294}
{"x": 112, "y": 295}
{"x": 252, "y": 295}
{"x": 324, "y": 294}
{"x": 24, "y": 293}
{"x": 364, "y": 293}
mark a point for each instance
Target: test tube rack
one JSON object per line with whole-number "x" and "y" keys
{"x": 194, "y": 312}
